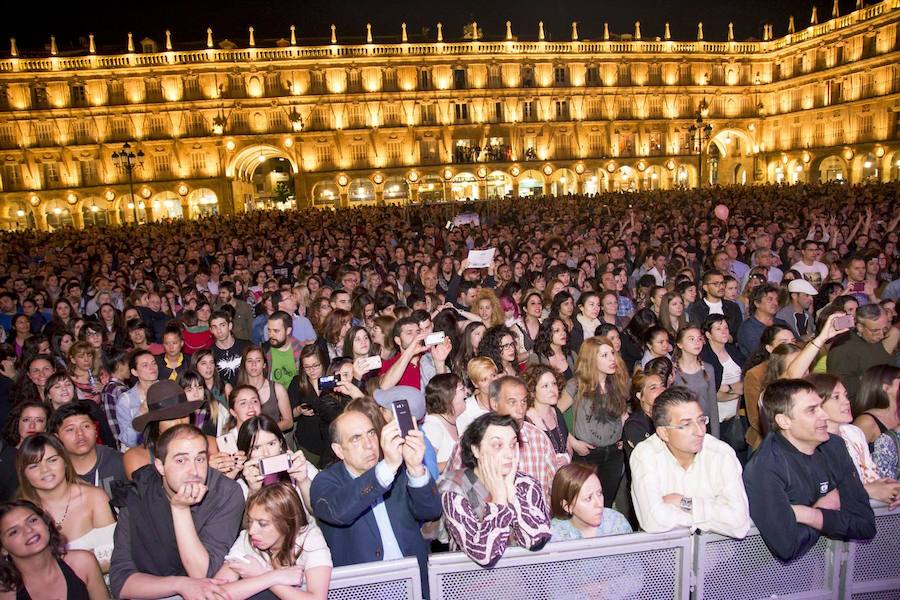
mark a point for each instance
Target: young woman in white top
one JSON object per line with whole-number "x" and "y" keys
{"x": 836, "y": 405}
{"x": 445, "y": 400}
{"x": 81, "y": 512}
{"x": 281, "y": 550}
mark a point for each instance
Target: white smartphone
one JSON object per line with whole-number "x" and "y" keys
{"x": 275, "y": 464}
{"x": 433, "y": 339}
{"x": 371, "y": 363}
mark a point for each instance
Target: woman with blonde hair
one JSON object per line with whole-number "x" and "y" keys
{"x": 600, "y": 389}
{"x": 84, "y": 368}
{"x": 487, "y": 307}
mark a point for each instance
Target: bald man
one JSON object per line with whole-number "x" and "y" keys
{"x": 370, "y": 509}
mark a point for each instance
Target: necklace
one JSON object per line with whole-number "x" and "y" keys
{"x": 59, "y": 523}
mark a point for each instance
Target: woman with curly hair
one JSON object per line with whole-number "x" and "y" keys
{"x": 36, "y": 558}
{"x": 551, "y": 348}
{"x": 487, "y": 307}
{"x": 499, "y": 344}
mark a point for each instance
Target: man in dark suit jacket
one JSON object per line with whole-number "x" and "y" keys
{"x": 370, "y": 510}
{"x": 714, "y": 301}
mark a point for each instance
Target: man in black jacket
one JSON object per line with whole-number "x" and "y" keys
{"x": 714, "y": 302}
{"x": 801, "y": 482}
{"x": 180, "y": 519}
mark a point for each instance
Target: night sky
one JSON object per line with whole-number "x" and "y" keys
{"x": 32, "y": 22}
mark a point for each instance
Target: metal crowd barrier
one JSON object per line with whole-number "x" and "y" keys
{"x": 639, "y": 566}
{"x": 643, "y": 566}
{"x": 872, "y": 568}
{"x": 386, "y": 580}
{"x": 727, "y": 569}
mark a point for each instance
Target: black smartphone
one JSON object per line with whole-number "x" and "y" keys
{"x": 404, "y": 417}
{"x": 327, "y": 384}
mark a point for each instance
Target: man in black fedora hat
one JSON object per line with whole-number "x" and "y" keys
{"x": 181, "y": 517}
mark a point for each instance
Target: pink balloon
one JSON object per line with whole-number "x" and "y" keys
{"x": 721, "y": 212}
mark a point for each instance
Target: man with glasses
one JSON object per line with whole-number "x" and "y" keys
{"x": 683, "y": 477}
{"x": 872, "y": 343}
{"x": 714, "y": 302}
{"x": 801, "y": 482}
{"x": 813, "y": 270}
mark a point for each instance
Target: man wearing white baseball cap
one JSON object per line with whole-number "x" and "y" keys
{"x": 799, "y": 314}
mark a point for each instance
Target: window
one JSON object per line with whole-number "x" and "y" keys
{"x": 428, "y": 152}
{"x": 196, "y": 125}
{"x": 153, "y": 90}
{"x": 563, "y": 145}
{"x": 116, "y": 92}
{"x": 12, "y": 177}
{"x": 51, "y": 174}
{"x": 356, "y": 117}
{"x": 559, "y": 76}
{"x": 354, "y": 83}
{"x": 624, "y": 108}
{"x": 864, "y": 126}
{"x": 191, "y": 88}
{"x": 157, "y": 126}
{"x": 391, "y": 114}
{"x": 394, "y": 148}
{"x": 238, "y": 122}
{"x": 7, "y": 136}
{"x": 528, "y": 77}
{"x": 461, "y": 112}
{"x": 459, "y": 79}
{"x": 118, "y": 129}
{"x": 596, "y": 145}
{"x": 276, "y": 121}
{"x": 494, "y": 79}
{"x": 39, "y": 97}
{"x": 424, "y": 79}
{"x": 498, "y": 112}
{"x": 528, "y": 113}
{"x": 359, "y": 153}
{"x": 88, "y": 170}
{"x": 324, "y": 156}
{"x": 626, "y": 144}
{"x": 390, "y": 80}
{"x": 81, "y": 131}
{"x": 79, "y": 95}
{"x": 562, "y": 110}
{"x": 593, "y": 76}
{"x": 4, "y": 98}
{"x": 235, "y": 85}
{"x": 594, "y": 109}
{"x": 198, "y": 163}
{"x": 161, "y": 165}
{"x": 428, "y": 114}
{"x": 43, "y": 133}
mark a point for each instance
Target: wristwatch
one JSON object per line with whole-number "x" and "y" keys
{"x": 687, "y": 504}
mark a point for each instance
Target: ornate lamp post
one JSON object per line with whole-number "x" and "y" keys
{"x": 700, "y": 134}
{"x": 126, "y": 161}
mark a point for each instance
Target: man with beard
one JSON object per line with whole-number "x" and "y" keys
{"x": 283, "y": 349}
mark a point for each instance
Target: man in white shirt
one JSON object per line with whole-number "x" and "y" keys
{"x": 812, "y": 270}
{"x": 682, "y": 477}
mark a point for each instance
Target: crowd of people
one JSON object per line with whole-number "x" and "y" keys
{"x": 231, "y": 407}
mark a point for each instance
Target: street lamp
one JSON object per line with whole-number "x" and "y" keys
{"x": 700, "y": 134}
{"x": 126, "y": 162}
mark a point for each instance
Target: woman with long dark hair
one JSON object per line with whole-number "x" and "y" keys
{"x": 280, "y": 550}
{"x": 259, "y": 438}
{"x": 36, "y": 558}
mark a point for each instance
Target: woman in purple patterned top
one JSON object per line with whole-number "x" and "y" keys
{"x": 488, "y": 500}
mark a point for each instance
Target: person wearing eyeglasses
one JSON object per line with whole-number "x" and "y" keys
{"x": 684, "y": 477}
{"x": 714, "y": 302}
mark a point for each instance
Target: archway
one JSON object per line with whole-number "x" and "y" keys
{"x": 685, "y": 176}
{"x": 624, "y": 179}
{"x": 563, "y": 182}
{"x": 870, "y": 168}
{"x": 732, "y": 143}
{"x": 652, "y": 178}
{"x": 464, "y": 186}
{"x": 595, "y": 182}
{"x": 832, "y": 168}
{"x": 739, "y": 175}
{"x": 59, "y": 215}
{"x": 794, "y": 171}
{"x": 94, "y": 212}
{"x": 499, "y": 185}
{"x": 125, "y": 208}
{"x": 531, "y": 183}
{"x": 326, "y": 193}
{"x": 893, "y": 163}
{"x": 273, "y": 183}
{"x": 396, "y": 188}
{"x": 246, "y": 161}
{"x": 167, "y": 205}
{"x": 362, "y": 190}
{"x": 431, "y": 189}
{"x": 17, "y": 215}
{"x": 203, "y": 202}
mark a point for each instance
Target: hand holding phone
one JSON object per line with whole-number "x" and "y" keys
{"x": 433, "y": 339}
{"x": 274, "y": 464}
{"x": 843, "y": 322}
{"x": 403, "y": 416}
{"x": 327, "y": 383}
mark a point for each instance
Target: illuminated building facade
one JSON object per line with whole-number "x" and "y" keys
{"x": 225, "y": 128}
